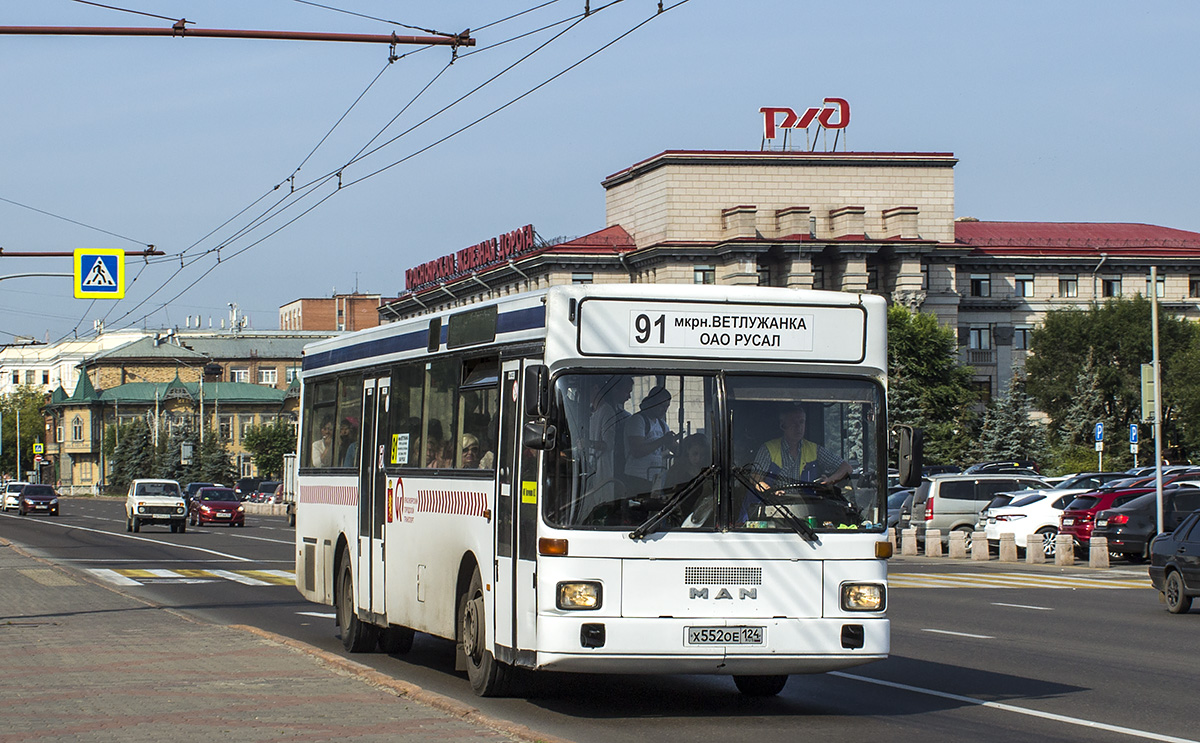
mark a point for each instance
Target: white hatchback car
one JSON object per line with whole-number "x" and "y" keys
{"x": 12, "y": 494}
{"x": 1034, "y": 515}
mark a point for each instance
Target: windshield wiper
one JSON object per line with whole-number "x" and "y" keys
{"x": 800, "y": 526}
{"x": 683, "y": 490}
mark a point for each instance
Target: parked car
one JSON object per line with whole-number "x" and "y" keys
{"x": 953, "y": 502}
{"x": 930, "y": 470}
{"x": 1175, "y": 564}
{"x": 1130, "y": 528}
{"x": 896, "y": 504}
{"x": 1004, "y": 467}
{"x": 1079, "y": 517}
{"x": 12, "y": 494}
{"x": 245, "y": 487}
{"x": 218, "y": 506}
{"x": 151, "y": 501}
{"x": 277, "y": 496}
{"x": 1034, "y": 516}
{"x": 38, "y": 499}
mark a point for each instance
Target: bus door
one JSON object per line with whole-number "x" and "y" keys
{"x": 516, "y": 521}
{"x": 372, "y": 493}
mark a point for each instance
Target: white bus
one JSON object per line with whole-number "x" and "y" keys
{"x": 607, "y": 479}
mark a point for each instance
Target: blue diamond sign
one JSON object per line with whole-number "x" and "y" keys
{"x": 99, "y": 273}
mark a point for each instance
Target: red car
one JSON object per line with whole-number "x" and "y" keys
{"x": 217, "y": 506}
{"x": 38, "y": 499}
{"x": 1079, "y": 517}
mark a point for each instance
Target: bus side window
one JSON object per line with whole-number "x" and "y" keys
{"x": 349, "y": 417}
{"x": 404, "y": 450}
{"x": 440, "y": 435}
{"x": 320, "y": 400}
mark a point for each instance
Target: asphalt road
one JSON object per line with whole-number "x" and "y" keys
{"x": 983, "y": 656}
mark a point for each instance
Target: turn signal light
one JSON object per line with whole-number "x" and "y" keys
{"x": 553, "y": 547}
{"x": 883, "y": 550}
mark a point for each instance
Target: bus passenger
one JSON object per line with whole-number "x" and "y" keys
{"x": 471, "y": 457}
{"x": 606, "y": 427}
{"x": 348, "y": 441}
{"x": 695, "y": 454}
{"x": 648, "y": 438}
{"x": 322, "y": 448}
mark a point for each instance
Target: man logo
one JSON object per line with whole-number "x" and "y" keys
{"x": 744, "y": 594}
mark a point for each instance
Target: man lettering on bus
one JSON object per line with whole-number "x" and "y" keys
{"x": 791, "y": 457}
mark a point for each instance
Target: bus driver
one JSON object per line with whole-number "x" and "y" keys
{"x": 791, "y": 457}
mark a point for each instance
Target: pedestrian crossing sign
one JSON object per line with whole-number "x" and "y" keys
{"x": 99, "y": 273}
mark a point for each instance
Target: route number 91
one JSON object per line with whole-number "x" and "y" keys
{"x": 644, "y": 328}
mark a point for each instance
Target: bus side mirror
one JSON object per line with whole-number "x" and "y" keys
{"x": 538, "y": 436}
{"x": 912, "y": 445}
{"x": 537, "y": 391}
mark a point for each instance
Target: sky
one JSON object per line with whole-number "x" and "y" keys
{"x": 225, "y": 154}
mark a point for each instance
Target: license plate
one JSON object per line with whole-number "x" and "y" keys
{"x": 41, "y": 507}
{"x": 1102, "y": 522}
{"x": 224, "y": 515}
{"x": 725, "y": 635}
{"x": 1068, "y": 522}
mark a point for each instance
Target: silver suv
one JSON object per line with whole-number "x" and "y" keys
{"x": 150, "y": 501}
{"x": 953, "y": 502}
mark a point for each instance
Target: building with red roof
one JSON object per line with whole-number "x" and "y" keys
{"x": 873, "y": 222}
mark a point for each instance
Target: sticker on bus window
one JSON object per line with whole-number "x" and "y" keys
{"x": 528, "y": 491}
{"x": 399, "y": 448}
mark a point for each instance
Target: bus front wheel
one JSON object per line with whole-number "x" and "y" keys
{"x": 489, "y": 677}
{"x": 357, "y": 636}
{"x": 760, "y": 686}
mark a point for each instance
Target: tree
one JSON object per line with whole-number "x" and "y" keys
{"x": 133, "y": 456}
{"x": 28, "y": 401}
{"x": 1009, "y": 430}
{"x": 929, "y": 387}
{"x": 268, "y": 443}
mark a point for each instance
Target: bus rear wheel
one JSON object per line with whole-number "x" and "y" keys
{"x": 760, "y": 686}
{"x": 488, "y": 676}
{"x": 357, "y": 636}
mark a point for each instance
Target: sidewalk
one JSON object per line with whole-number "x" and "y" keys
{"x": 80, "y": 661}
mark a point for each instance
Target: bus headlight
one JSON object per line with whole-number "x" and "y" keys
{"x": 579, "y": 595}
{"x": 863, "y": 597}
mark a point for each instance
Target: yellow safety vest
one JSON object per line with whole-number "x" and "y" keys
{"x": 808, "y": 453}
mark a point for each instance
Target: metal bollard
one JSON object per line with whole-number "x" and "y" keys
{"x": 1064, "y": 550}
{"x": 958, "y": 545}
{"x": 980, "y": 551}
{"x": 933, "y": 542}
{"x": 908, "y": 541}
{"x": 1035, "y": 550}
{"x": 1008, "y": 547}
{"x": 1098, "y": 552}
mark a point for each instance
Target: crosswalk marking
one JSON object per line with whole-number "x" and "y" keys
{"x": 1009, "y": 580}
{"x": 141, "y": 576}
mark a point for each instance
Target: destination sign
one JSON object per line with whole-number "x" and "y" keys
{"x": 633, "y": 328}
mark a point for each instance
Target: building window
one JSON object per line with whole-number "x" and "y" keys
{"x": 268, "y": 376}
{"x": 1024, "y": 285}
{"x": 979, "y": 339}
{"x": 239, "y": 374}
{"x": 818, "y": 274}
{"x": 981, "y": 285}
{"x": 77, "y": 429}
{"x": 925, "y": 277}
{"x": 581, "y": 278}
{"x": 245, "y": 423}
{"x": 225, "y": 425}
{"x": 1021, "y": 338}
{"x": 29, "y": 376}
{"x": 873, "y": 279}
{"x": 17, "y": 378}
{"x": 58, "y": 434}
{"x": 46, "y": 377}
{"x": 85, "y": 472}
{"x": 1068, "y": 286}
{"x": 291, "y": 374}
{"x": 764, "y": 274}
{"x": 1110, "y": 287}
{"x": 1162, "y": 286}
{"x": 984, "y": 388}
{"x": 704, "y": 275}
{"x": 1194, "y": 286}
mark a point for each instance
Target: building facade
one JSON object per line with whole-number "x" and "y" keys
{"x": 882, "y": 223}
{"x": 341, "y": 312}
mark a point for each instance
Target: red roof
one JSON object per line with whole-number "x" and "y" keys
{"x": 1076, "y": 239}
{"x": 611, "y": 239}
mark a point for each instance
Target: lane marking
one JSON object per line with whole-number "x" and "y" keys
{"x": 113, "y": 577}
{"x": 136, "y": 576}
{"x": 1090, "y": 724}
{"x": 959, "y": 634}
{"x": 317, "y": 614}
{"x": 240, "y": 578}
{"x": 159, "y": 542}
{"x": 1009, "y": 580}
{"x": 1023, "y": 606}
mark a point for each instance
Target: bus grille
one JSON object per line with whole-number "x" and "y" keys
{"x": 722, "y": 576}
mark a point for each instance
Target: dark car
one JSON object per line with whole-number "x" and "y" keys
{"x": 1175, "y": 564}
{"x": 896, "y": 504}
{"x": 218, "y": 506}
{"x": 265, "y": 491}
{"x": 38, "y": 499}
{"x": 1130, "y": 528}
{"x": 246, "y": 486}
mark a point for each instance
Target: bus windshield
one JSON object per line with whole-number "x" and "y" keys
{"x": 671, "y": 452}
